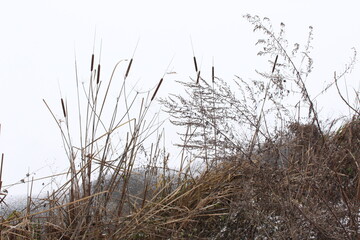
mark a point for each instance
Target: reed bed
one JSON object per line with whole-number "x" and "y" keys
{"x": 315, "y": 195}
{"x": 290, "y": 179}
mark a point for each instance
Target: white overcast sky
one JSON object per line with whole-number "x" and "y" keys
{"x": 38, "y": 40}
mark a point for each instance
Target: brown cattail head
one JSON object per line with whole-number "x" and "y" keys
{"x": 63, "y": 107}
{"x": 195, "y": 64}
{"x": 275, "y": 64}
{"x": 198, "y": 77}
{"x": 156, "y": 90}
{"x": 128, "y": 69}
{"x": 98, "y": 75}
{"x": 213, "y": 74}
{"x": 92, "y": 63}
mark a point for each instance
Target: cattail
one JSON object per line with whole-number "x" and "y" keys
{"x": 92, "y": 62}
{"x": 196, "y": 68}
{"x": 198, "y": 77}
{"x": 128, "y": 69}
{"x": 63, "y": 107}
{"x": 157, "y": 88}
{"x": 213, "y": 74}
{"x": 98, "y": 75}
{"x": 275, "y": 64}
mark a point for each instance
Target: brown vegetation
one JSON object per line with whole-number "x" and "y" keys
{"x": 265, "y": 173}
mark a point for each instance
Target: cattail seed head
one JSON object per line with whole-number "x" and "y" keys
{"x": 156, "y": 90}
{"x": 63, "y": 107}
{"x": 98, "y": 75}
{"x": 198, "y": 77}
{"x": 213, "y": 74}
{"x": 92, "y": 62}
{"x": 275, "y": 64}
{"x": 195, "y": 64}
{"x": 128, "y": 69}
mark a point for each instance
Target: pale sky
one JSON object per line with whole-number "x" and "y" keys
{"x": 39, "y": 40}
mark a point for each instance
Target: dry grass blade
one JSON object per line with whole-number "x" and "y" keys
{"x": 342, "y": 97}
{"x": 108, "y": 133}
{"x": 54, "y": 208}
{"x": 1, "y": 170}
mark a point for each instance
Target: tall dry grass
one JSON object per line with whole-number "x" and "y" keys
{"x": 266, "y": 174}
